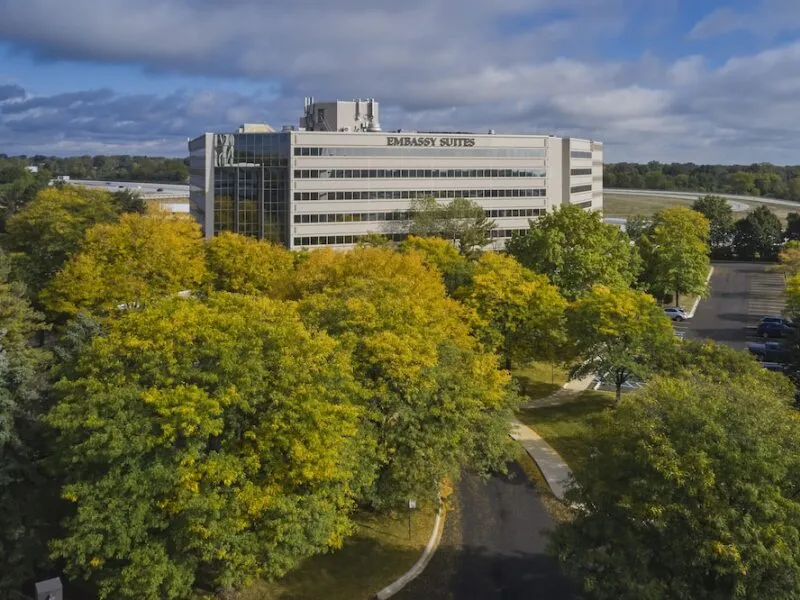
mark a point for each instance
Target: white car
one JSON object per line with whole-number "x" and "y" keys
{"x": 676, "y": 314}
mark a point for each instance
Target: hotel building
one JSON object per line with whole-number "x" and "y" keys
{"x": 338, "y": 177}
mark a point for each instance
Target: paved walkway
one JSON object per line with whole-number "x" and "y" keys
{"x": 556, "y": 472}
{"x": 565, "y": 394}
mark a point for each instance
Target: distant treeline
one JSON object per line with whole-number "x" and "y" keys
{"x": 761, "y": 179}
{"x": 114, "y": 168}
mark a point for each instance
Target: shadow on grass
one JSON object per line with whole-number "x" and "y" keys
{"x": 357, "y": 571}
{"x": 567, "y": 427}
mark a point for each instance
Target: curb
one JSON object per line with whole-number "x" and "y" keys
{"x": 697, "y": 300}
{"x": 415, "y": 571}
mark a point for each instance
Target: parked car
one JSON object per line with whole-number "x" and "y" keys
{"x": 771, "y": 329}
{"x": 121, "y": 186}
{"x": 782, "y": 320}
{"x": 676, "y": 314}
{"x": 770, "y": 366}
{"x": 160, "y": 190}
{"x": 773, "y": 352}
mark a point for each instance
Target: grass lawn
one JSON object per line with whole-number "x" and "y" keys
{"x": 378, "y": 553}
{"x": 539, "y": 379}
{"x": 625, "y": 206}
{"x": 566, "y": 427}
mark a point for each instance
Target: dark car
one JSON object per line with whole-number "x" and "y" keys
{"x": 160, "y": 190}
{"x": 771, "y": 329}
{"x": 773, "y": 352}
{"x": 782, "y": 320}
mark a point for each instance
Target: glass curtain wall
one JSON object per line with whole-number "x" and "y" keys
{"x": 251, "y": 185}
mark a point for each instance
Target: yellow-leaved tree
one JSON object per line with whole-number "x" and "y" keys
{"x": 245, "y": 265}
{"x": 434, "y": 399}
{"x": 129, "y": 263}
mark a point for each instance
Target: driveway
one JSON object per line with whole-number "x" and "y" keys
{"x": 741, "y": 293}
{"x": 493, "y": 547}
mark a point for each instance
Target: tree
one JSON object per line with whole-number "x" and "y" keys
{"x": 576, "y": 250}
{"x": 461, "y": 221}
{"x": 139, "y": 259}
{"x": 691, "y": 492}
{"x": 127, "y": 201}
{"x": 744, "y": 183}
{"x": 789, "y": 259}
{"x": 792, "y": 226}
{"x": 434, "y": 400}
{"x": 675, "y": 252}
{"x": 50, "y": 228}
{"x": 720, "y": 218}
{"x": 618, "y": 332}
{"x": 245, "y": 265}
{"x": 204, "y": 443}
{"x": 519, "y": 311}
{"x": 636, "y": 226}
{"x": 758, "y": 235}
{"x": 23, "y": 485}
{"x": 442, "y": 255}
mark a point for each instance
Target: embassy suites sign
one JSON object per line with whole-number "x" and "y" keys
{"x": 430, "y": 141}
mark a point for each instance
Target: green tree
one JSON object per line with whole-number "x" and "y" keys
{"x": 139, "y": 259}
{"x": 434, "y": 400}
{"x": 576, "y": 250}
{"x": 618, "y": 334}
{"x": 520, "y": 312}
{"x": 43, "y": 235}
{"x": 245, "y": 265}
{"x": 758, "y": 235}
{"x": 793, "y": 226}
{"x": 461, "y": 221}
{"x": 720, "y": 218}
{"x": 691, "y": 492}
{"x": 636, "y": 226}
{"x": 204, "y": 442}
{"x": 675, "y": 251}
{"x": 442, "y": 255}
{"x": 744, "y": 183}
{"x": 24, "y": 486}
{"x": 128, "y": 201}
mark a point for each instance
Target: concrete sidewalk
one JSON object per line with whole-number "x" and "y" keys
{"x": 567, "y": 392}
{"x": 556, "y": 472}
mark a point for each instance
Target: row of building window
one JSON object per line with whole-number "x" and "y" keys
{"x": 412, "y": 194}
{"x": 580, "y": 188}
{"x": 338, "y": 240}
{"x": 416, "y": 151}
{"x": 587, "y": 204}
{"x": 580, "y": 154}
{"x": 405, "y": 215}
{"x": 333, "y": 240}
{"x": 422, "y": 173}
{"x": 580, "y": 172}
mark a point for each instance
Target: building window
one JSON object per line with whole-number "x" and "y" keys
{"x": 580, "y": 172}
{"x": 587, "y": 204}
{"x": 580, "y": 188}
{"x": 412, "y": 194}
{"x": 416, "y": 173}
{"x": 418, "y": 151}
{"x": 580, "y": 154}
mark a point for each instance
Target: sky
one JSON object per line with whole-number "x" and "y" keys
{"x": 669, "y": 80}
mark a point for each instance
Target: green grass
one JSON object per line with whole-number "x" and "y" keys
{"x": 567, "y": 427}
{"x": 626, "y": 206}
{"x": 378, "y": 553}
{"x": 539, "y": 379}
{"x": 646, "y": 206}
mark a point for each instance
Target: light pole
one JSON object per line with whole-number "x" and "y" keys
{"x": 412, "y": 504}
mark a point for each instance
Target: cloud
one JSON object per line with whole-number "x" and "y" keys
{"x": 510, "y": 65}
{"x": 766, "y": 18}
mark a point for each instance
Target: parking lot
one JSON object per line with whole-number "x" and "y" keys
{"x": 741, "y": 293}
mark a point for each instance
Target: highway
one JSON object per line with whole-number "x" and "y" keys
{"x": 737, "y": 202}
{"x": 147, "y": 190}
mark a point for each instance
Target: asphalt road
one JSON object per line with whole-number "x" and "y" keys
{"x": 493, "y": 547}
{"x": 741, "y": 293}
